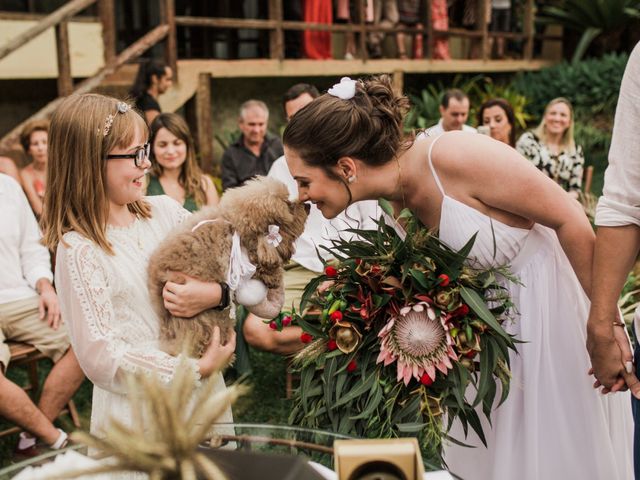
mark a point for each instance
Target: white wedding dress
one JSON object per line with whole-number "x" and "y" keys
{"x": 105, "y": 302}
{"x": 553, "y": 425}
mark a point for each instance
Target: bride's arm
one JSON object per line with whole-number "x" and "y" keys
{"x": 498, "y": 176}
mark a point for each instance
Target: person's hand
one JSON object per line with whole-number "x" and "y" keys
{"x": 624, "y": 342}
{"x": 606, "y": 359}
{"x": 217, "y": 355}
{"x": 185, "y": 296}
{"x": 48, "y": 307}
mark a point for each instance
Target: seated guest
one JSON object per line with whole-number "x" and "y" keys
{"x": 153, "y": 79}
{"x": 174, "y": 169}
{"x": 34, "y": 139}
{"x": 552, "y": 148}
{"x": 304, "y": 264}
{"x": 8, "y": 167}
{"x": 29, "y": 313}
{"x": 256, "y": 149}
{"x": 454, "y": 112}
{"x": 497, "y": 115}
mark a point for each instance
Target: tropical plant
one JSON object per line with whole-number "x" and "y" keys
{"x": 591, "y": 18}
{"x": 518, "y": 101}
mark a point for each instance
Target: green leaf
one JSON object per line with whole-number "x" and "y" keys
{"x": 476, "y": 303}
{"x": 374, "y": 400}
{"x": 411, "y": 427}
{"x": 357, "y": 391}
{"x": 386, "y": 206}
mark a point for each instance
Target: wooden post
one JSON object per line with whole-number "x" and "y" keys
{"x": 65, "y": 82}
{"x": 362, "y": 12}
{"x": 398, "y": 81}
{"x": 483, "y": 6}
{"x": 429, "y": 28}
{"x": 203, "y": 121}
{"x": 106, "y": 11}
{"x": 168, "y": 17}
{"x": 529, "y": 29}
{"x": 276, "y": 36}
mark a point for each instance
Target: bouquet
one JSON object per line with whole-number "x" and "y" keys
{"x": 403, "y": 330}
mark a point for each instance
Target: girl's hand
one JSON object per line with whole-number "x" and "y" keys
{"x": 186, "y": 296}
{"x": 217, "y": 355}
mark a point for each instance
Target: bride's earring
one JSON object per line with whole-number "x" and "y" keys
{"x": 351, "y": 179}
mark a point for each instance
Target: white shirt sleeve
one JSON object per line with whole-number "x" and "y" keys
{"x": 34, "y": 256}
{"x": 620, "y": 203}
{"x": 105, "y": 355}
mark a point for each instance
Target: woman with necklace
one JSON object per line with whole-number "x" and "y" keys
{"x": 348, "y": 145}
{"x": 552, "y": 148}
{"x": 34, "y": 139}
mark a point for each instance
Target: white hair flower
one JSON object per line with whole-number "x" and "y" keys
{"x": 345, "y": 90}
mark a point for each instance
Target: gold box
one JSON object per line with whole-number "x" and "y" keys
{"x": 397, "y": 457}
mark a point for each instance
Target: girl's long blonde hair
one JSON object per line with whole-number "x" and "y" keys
{"x": 76, "y": 196}
{"x": 190, "y": 174}
{"x": 567, "y": 142}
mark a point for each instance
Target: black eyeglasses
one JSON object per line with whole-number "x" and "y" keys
{"x": 139, "y": 156}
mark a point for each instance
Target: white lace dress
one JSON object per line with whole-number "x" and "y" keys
{"x": 105, "y": 303}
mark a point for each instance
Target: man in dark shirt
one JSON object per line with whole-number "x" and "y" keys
{"x": 256, "y": 149}
{"x": 154, "y": 78}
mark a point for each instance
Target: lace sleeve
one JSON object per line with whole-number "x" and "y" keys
{"x": 170, "y": 211}
{"x": 104, "y": 351}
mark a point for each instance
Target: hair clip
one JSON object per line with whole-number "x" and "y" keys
{"x": 345, "y": 90}
{"x": 121, "y": 107}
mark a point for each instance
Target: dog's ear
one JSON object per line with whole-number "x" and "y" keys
{"x": 267, "y": 254}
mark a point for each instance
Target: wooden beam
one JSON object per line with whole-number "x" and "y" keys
{"x": 398, "y": 82}
{"x": 171, "y": 48}
{"x": 529, "y": 29}
{"x": 362, "y": 13}
{"x": 429, "y": 27}
{"x": 483, "y": 7}
{"x": 276, "y": 37}
{"x": 106, "y": 11}
{"x": 63, "y": 13}
{"x": 65, "y": 82}
{"x": 203, "y": 121}
{"x": 133, "y": 51}
{"x": 36, "y": 17}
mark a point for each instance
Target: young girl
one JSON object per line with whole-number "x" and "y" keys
{"x": 34, "y": 138}
{"x": 350, "y": 147}
{"x": 104, "y": 231}
{"x": 174, "y": 169}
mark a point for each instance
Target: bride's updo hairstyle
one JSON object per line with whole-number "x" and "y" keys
{"x": 368, "y": 126}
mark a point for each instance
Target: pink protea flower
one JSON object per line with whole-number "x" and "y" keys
{"x": 419, "y": 342}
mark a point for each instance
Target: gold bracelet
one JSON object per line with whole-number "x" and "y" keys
{"x": 617, "y": 323}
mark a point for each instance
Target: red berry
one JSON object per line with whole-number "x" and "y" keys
{"x": 336, "y": 316}
{"x": 286, "y": 321}
{"x": 462, "y": 310}
{"x": 330, "y": 271}
{"x": 375, "y": 269}
{"x": 444, "y": 279}
{"x": 426, "y": 380}
{"x": 470, "y": 354}
{"x": 273, "y": 325}
{"x": 332, "y": 345}
{"x": 358, "y": 261}
{"x": 352, "y": 366}
{"x": 306, "y": 338}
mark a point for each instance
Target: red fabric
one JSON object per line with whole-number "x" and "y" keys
{"x": 317, "y": 45}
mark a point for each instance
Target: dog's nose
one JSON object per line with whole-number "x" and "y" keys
{"x": 307, "y": 207}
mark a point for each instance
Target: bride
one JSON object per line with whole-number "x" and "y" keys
{"x": 348, "y": 145}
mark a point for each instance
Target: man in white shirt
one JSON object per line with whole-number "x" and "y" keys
{"x": 616, "y": 250}
{"x": 454, "y": 112}
{"x": 318, "y": 232}
{"x": 29, "y": 313}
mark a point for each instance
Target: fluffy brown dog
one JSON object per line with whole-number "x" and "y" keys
{"x": 201, "y": 248}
